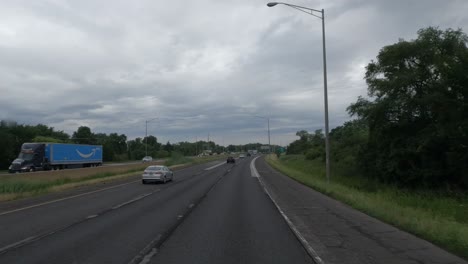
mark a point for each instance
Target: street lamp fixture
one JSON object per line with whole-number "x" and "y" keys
{"x": 313, "y": 12}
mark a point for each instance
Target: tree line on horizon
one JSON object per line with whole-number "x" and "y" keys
{"x": 115, "y": 147}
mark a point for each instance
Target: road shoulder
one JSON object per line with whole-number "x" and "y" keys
{"x": 339, "y": 233}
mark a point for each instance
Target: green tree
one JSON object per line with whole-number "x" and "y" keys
{"x": 9, "y": 149}
{"x": 301, "y": 145}
{"x": 84, "y": 136}
{"x": 315, "y": 146}
{"x": 347, "y": 143}
{"x": 136, "y": 149}
{"x": 46, "y": 139}
{"x": 168, "y": 147}
{"x": 118, "y": 143}
{"x": 231, "y": 148}
{"x": 417, "y": 113}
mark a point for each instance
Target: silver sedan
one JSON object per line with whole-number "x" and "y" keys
{"x": 157, "y": 174}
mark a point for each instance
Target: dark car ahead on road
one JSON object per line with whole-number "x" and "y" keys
{"x": 231, "y": 160}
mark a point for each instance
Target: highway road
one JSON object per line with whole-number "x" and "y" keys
{"x": 211, "y": 213}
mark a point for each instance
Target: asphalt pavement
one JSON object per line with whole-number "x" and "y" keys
{"x": 211, "y": 213}
{"x": 218, "y": 214}
{"x": 235, "y": 223}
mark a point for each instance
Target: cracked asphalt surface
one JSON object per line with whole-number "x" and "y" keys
{"x": 340, "y": 234}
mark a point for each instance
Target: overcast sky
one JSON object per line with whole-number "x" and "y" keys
{"x": 201, "y": 67}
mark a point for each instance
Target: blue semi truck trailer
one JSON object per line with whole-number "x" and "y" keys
{"x": 53, "y": 156}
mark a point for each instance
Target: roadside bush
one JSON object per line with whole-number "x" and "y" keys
{"x": 315, "y": 153}
{"x": 161, "y": 154}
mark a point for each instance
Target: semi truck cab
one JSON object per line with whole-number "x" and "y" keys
{"x": 30, "y": 158}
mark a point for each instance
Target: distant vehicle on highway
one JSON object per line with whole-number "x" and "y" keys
{"x": 231, "y": 160}
{"x": 241, "y": 156}
{"x": 252, "y": 152}
{"x": 147, "y": 159}
{"x": 248, "y": 154}
{"x": 48, "y": 156}
{"x": 157, "y": 174}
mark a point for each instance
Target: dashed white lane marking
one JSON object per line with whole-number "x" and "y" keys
{"x": 91, "y": 216}
{"x": 301, "y": 238}
{"x": 148, "y": 257}
{"x": 134, "y": 199}
{"x": 215, "y": 166}
{"x": 17, "y": 243}
{"x": 66, "y": 198}
{"x": 145, "y": 258}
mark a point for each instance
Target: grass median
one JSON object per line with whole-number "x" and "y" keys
{"x": 438, "y": 217}
{"x": 20, "y": 185}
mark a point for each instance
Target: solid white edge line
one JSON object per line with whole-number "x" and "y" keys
{"x": 66, "y": 198}
{"x": 215, "y": 166}
{"x": 253, "y": 170}
{"x": 301, "y": 238}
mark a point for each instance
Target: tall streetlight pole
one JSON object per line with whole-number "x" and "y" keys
{"x": 268, "y": 121}
{"x": 311, "y": 11}
{"x": 146, "y": 135}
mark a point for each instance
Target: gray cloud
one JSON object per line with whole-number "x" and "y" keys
{"x": 203, "y": 67}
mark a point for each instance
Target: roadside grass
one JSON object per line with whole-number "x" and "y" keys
{"x": 177, "y": 158}
{"x": 21, "y": 185}
{"x": 18, "y": 188}
{"x": 438, "y": 217}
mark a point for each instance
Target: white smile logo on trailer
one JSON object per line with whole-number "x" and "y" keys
{"x": 85, "y": 156}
